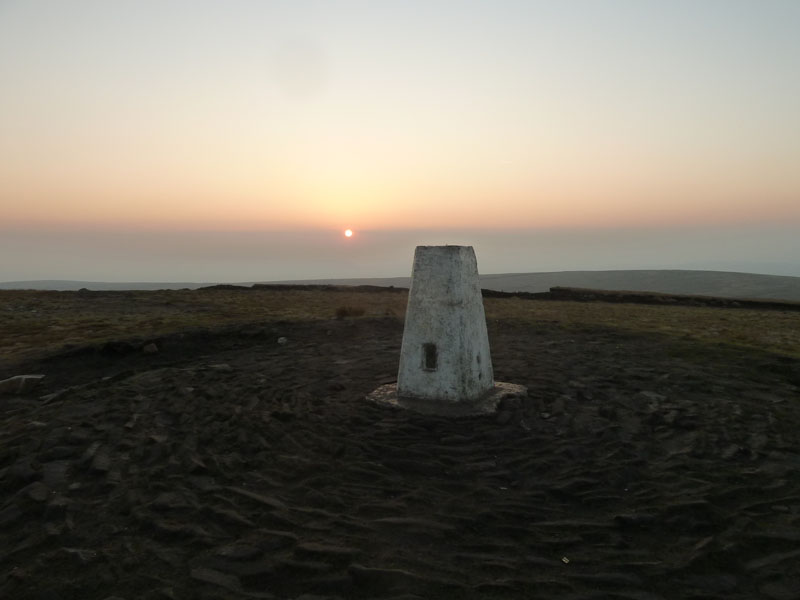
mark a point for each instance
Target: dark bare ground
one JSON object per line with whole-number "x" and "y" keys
{"x": 230, "y": 466}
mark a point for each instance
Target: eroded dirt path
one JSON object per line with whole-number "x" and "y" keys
{"x": 228, "y": 465}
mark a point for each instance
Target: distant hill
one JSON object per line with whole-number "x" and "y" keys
{"x": 707, "y": 283}
{"x": 70, "y": 285}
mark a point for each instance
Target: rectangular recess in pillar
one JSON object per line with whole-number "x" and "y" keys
{"x": 430, "y": 357}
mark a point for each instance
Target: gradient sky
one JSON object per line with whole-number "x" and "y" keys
{"x": 236, "y": 140}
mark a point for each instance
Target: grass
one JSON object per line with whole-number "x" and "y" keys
{"x": 768, "y": 330}
{"x": 37, "y": 322}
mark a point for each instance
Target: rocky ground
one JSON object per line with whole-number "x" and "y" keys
{"x": 229, "y": 465}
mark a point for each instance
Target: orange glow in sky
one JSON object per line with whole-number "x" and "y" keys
{"x": 301, "y": 115}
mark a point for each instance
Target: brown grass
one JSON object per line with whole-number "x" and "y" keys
{"x": 350, "y": 311}
{"x": 770, "y": 330}
{"x": 36, "y": 322}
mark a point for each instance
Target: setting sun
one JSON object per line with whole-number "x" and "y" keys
{"x": 348, "y": 233}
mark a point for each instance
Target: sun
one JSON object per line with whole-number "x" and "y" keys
{"x": 348, "y": 233}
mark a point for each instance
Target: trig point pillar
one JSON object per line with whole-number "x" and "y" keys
{"x": 445, "y": 361}
{"x": 445, "y": 354}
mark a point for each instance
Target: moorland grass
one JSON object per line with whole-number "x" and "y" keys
{"x": 40, "y": 322}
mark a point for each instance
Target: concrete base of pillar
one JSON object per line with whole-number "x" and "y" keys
{"x": 485, "y": 405}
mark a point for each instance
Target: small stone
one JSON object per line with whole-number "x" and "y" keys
{"x": 231, "y": 515}
{"x": 19, "y": 573}
{"x": 616, "y": 580}
{"x": 607, "y": 412}
{"x": 150, "y": 348}
{"x": 88, "y": 455}
{"x": 228, "y": 582}
{"x": 19, "y": 384}
{"x": 238, "y": 552}
{"x": 770, "y": 560}
{"x": 714, "y": 583}
{"x": 559, "y": 406}
{"x": 730, "y": 451}
{"x": 9, "y": 515}
{"x": 282, "y": 341}
{"x": 290, "y": 568}
{"x": 778, "y": 590}
{"x": 37, "y": 491}
{"x": 270, "y": 540}
{"x": 101, "y": 461}
{"x": 55, "y": 508}
{"x": 83, "y": 555}
{"x": 283, "y": 415}
{"x": 634, "y": 520}
{"x": 25, "y": 470}
{"x": 671, "y": 416}
{"x": 325, "y": 552}
{"x": 383, "y": 579}
{"x": 269, "y": 501}
{"x": 169, "y": 500}
{"x": 55, "y": 472}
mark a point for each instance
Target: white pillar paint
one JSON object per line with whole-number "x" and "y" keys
{"x": 445, "y": 363}
{"x": 445, "y": 352}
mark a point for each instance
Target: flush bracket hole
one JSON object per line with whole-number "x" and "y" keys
{"x": 430, "y": 357}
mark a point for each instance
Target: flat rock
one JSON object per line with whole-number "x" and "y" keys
{"x": 770, "y": 560}
{"x": 269, "y": 540}
{"x": 323, "y": 551}
{"x": 238, "y": 552}
{"x": 19, "y": 385}
{"x": 781, "y": 590}
{"x": 487, "y": 404}
{"x": 260, "y": 498}
{"x": 36, "y": 491}
{"x": 228, "y": 582}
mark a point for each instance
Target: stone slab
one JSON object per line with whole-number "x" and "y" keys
{"x": 386, "y": 395}
{"x": 19, "y": 384}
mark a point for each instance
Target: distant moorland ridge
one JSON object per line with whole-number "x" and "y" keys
{"x": 706, "y": 283}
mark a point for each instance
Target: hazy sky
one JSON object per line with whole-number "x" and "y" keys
{"x": 227, "y": 141}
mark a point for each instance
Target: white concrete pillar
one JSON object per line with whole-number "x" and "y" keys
{"x": 445, "y": 352}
